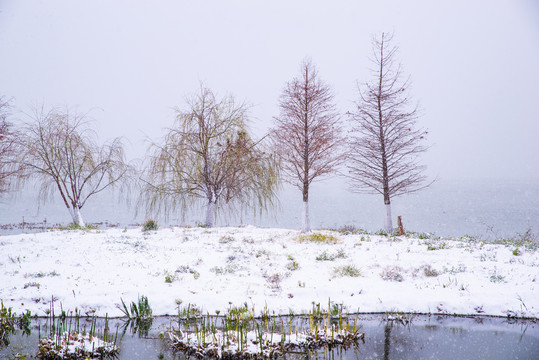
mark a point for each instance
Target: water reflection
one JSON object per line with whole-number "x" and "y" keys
{"x": 424, "y": 338}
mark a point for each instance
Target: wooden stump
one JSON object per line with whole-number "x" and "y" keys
{"x": 401, "y": 228}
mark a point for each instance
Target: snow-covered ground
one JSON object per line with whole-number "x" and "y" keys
{"x": 266, "y": 268}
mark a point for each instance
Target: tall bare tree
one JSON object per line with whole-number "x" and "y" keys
{"x": 208, "y": 155}
{"x": 307, "y": 133}
{"x": 385, "y": 143}
{"x": 9, "y": 166}
{"x": 61, "y": 152}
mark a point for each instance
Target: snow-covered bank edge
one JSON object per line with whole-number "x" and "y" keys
{"x": 216, "y": 268}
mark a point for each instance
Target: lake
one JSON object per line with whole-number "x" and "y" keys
{"x": 489, "y": 209}
{"x": 426, "y": 337}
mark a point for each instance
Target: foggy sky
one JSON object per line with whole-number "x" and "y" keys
{"x": 474, "y": 66}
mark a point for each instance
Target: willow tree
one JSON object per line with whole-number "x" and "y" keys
{"x": 60, "y": 151}
{"x": 307, "y": 134}
{"x": 10, "y": 169}
{"x": 209, "y": 155}
{"x": 385, "y": 144}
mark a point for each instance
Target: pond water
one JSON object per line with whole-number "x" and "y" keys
{"x": 426, "y": 337}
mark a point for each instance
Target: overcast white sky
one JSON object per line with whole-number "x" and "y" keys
{"x": 474, "y": 65}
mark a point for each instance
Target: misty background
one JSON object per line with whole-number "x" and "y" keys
{"x": 474, "y": 68}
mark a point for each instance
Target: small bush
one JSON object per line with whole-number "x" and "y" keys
{"x": 392, "y": 273}
{"x": 347, "y": 270}
{"x": 274, "y": 281}
{"x": 319, "y": 238}
{"x": 429, "y": 271}
{"x": 229, "y": 269}
{"x": 496, "y": 278}
{"x": 150, "y": 225}
{"x": 225, "y": 239}
{"x": 292, "y": 266}
{"x": 517, "y": 252}
{"x": 437, "y": 245}
{"x": 350, "y": 230}
{"x": 325, "y": 256}
{"x": 32, "y": 284}
{"x": 528, "y": 241}
{"x": 469, "y": 238}
{"x": 187, "y": 269}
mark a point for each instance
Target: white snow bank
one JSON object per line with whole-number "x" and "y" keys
{"x": 219, "y": 267}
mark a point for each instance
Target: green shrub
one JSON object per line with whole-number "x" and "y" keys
{"x": 7, "y": 324}
{"x": 187, "y": 269}
{"x": 528, "y": 241}
{"x": 150, "y": 225}
{"x": 325, "y": 256}
{"x": 74, "y": 226}
{"x": 347, "y": 270}
{"x": 437, "y": 245}
{"x": 292, "y": 265}
{"x": 218, "y": 270}
{"x": 139, "y": 311}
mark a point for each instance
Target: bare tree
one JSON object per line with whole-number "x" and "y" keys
{"x": 306, "y": 133}
{"x": 209, "y": 155}
{"x": 61, "y": 152}
{"x": 385, "y": 144}
{"x": 9, "y": 167}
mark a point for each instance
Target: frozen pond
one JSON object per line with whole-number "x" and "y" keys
{"x": 427, "y": 337}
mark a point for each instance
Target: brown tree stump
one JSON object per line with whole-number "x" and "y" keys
{"x": 401, "y": 228}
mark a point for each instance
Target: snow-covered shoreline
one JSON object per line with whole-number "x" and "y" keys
{"x": 216, "y": 268}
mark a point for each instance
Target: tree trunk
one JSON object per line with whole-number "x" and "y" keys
{"x": 306, "y": 221}
{"x": 227, "y": 213}
{"x": 77, "y": 217}
{"x": 389, "y": 223}
{"x": 210, "y": 211}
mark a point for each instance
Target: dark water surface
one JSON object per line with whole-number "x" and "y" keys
{"x": 425, "y": 338}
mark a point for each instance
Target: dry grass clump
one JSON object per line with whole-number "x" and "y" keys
{"x": 318, "y": 238}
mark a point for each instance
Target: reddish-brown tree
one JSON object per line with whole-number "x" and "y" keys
{"x": 385, "y": 144}
{"x": 307, "y": 133}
